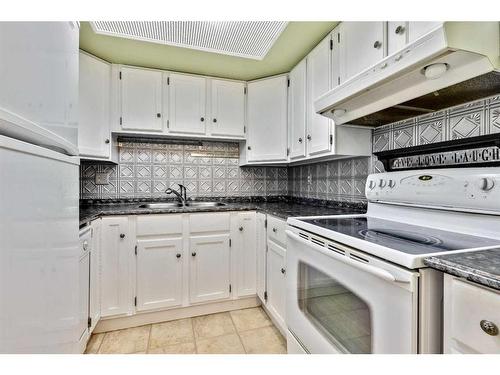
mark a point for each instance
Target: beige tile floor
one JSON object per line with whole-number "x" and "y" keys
{"x": 247, "y": 331}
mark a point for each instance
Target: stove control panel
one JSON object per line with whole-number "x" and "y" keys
{"x": 461, "y": 188}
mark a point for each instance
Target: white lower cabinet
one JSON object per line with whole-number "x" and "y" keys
{"x": 209, "y": 268}
{"x": 159, "y": 273}
{"x": 95, "y": 276}
{"x": 276, "y": 283}
{"x": 471, "y": 317}
{"x": 261, "y": 249}
{"x": 244, "y": 250}
{"x": 116, "y": 264}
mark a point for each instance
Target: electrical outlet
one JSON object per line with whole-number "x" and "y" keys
{"x": 309, "y": 179}
{"x": 101, "y": 178}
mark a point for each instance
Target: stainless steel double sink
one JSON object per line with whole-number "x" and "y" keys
{"x": 178, "y": 204}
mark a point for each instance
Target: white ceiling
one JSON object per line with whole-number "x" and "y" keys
{"x": 248, "y": 39}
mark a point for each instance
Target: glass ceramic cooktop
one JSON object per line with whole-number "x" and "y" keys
{"x": 410, "y": 239}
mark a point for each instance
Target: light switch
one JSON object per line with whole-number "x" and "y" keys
{"x": 101, "y": 178}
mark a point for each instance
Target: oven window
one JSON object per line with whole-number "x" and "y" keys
{"x": 341, "y": 316}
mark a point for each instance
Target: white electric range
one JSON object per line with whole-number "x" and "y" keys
{"x": 358, "y": 284}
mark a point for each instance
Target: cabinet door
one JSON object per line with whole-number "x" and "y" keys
{"x": 159, "y": 273}
{"x": 397, "y": 36}
{"x": 94, "y": 107}
{"x": 267, "y": 120}
{"x": 318, "y": 83}
{"x": 276, "y": 282}
{"x": 244, "y": 249}
{"x": 187, "y": 107}
{"x": 141, "y": 100}
{"x": 116, "y": 259}
{"x": 209, "y": 268}
{"x": 297, "y": 104}
{"x": 261, "y": 256}
{"x": 361, "y": 45}
{"x": 228, "y": 108}
{"x": 416, "y": 29}
{"x": 95, "y": 275}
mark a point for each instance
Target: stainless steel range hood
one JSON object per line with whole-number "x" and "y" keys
{"x": 453, "y": 64}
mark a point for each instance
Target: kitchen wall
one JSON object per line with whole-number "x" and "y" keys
{"x": 475, "y": 118}
{"x": 146, "y": 170}
{"x": 338, "y": 180}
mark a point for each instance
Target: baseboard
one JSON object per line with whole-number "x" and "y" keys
{"x": 140, "y": 319}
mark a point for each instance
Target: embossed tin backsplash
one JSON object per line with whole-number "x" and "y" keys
{"x": 469, "y": 120}
{"x": 147, "y": 170}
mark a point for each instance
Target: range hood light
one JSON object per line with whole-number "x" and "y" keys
{"x": 435, "y": 71}
{"x": 338, "y": 112}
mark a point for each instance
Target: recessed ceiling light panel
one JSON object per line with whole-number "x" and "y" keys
{"x": 249, "y": 39}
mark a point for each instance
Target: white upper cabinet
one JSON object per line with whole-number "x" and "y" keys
{"x": 297, "y": 103}
{"x": 94, "y": 106}
{"x": 318, "y": 83}
{"x": 267, "y": 120}
{"x": 227, "y": 108}
{"x": 362, "y": 44}
{"x": 141, "y": 100}
{"x": 416, "y": 29}
{"x": 159, "y": 273}
{"x": 397, "y": 36}
{"x": 187, "y": 104}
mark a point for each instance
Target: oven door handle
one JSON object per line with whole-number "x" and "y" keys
{"x": 379, "y": 272}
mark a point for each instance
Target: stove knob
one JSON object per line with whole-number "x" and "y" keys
{"x": 392, "y": 183}
{"x": 382, "y": 183}
{"x": 486, "y": 184}
{"x": 372, "y": 184}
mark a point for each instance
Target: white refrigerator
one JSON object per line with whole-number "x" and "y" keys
{"x": 39, "y": 188}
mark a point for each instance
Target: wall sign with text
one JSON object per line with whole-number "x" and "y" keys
{"x": 480, "y": 155}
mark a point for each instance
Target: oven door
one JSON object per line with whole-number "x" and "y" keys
{"x": 340, "y": 300}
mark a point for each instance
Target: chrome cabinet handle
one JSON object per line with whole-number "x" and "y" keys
{"x": 177, "y": 256}
{"x": 122, "y": 235}
{"x": 214, "y": 120}
{"x": 400, "y": 29}
{"x": 308, "y": 137}
{"x": 202, "y": 119}
{"x": 377, "y": 44}
{"x": 300, "y": 140}
{"x": 106, "y": 141}
{"x": 158, "y": 115}
{"x": 283, "y": 271}
{"x": 275, "y": 230}
{"x": 249, "y": 148}
{"x": 85, "y": 245}
{"x": 193, "y": 253}
{"x": 488, "y": 327}
{"x": 241, "y": 229}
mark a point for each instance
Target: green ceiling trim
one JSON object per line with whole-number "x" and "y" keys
{"x": 296, "y": 41}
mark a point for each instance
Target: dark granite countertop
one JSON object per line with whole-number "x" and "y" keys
{"x": 482, "y": 267}
{"x": 281, "y": 207}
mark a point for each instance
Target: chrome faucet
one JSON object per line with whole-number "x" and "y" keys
{"x": 182, "y": 195}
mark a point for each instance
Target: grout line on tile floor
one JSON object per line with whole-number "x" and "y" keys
{"x": 194, "y": 336}
{"x": 237, "y": 332}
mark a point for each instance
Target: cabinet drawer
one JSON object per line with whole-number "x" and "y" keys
{"x": 276, "y": 230}
{"x": 151, "y": 225}
{"x": 209, "y": 222}
{"x": 469, "y": 306}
